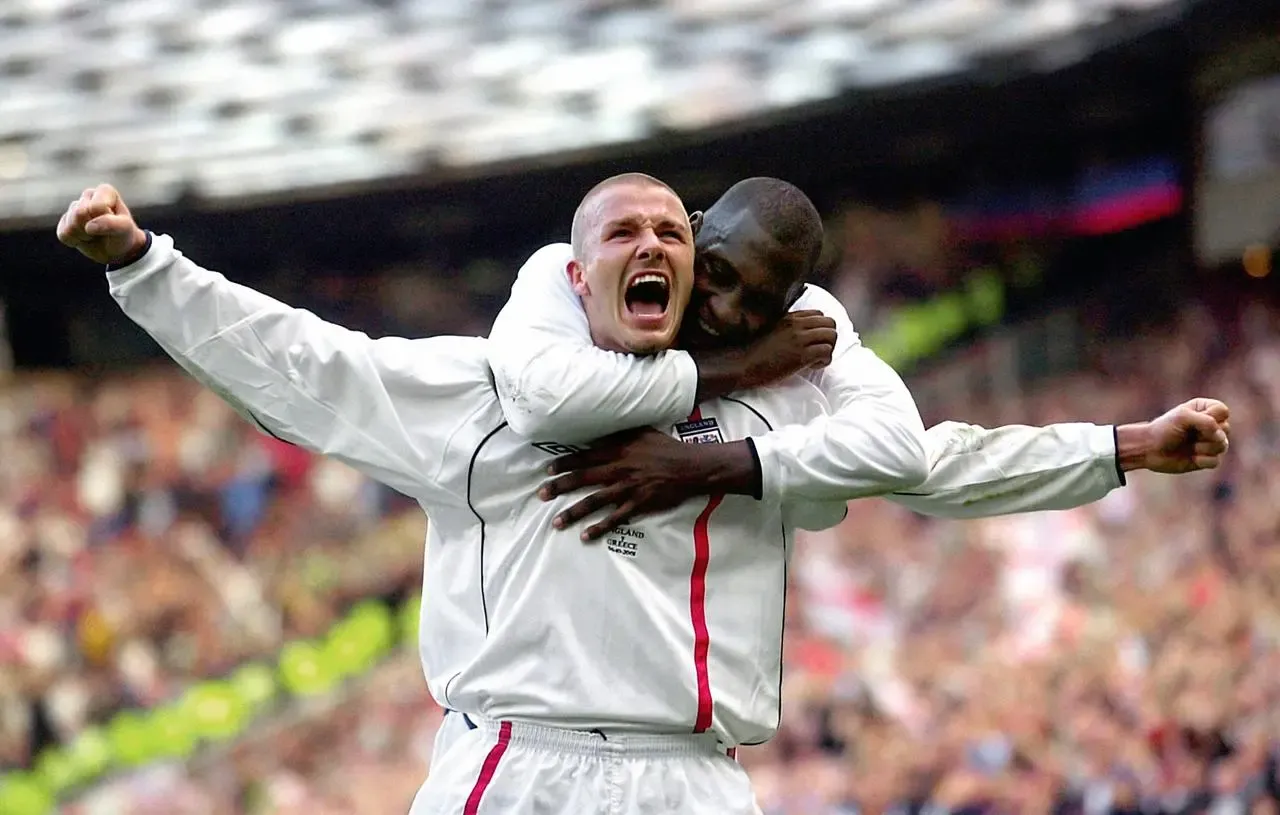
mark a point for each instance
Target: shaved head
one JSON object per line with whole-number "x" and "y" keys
{"x": 786, "y": 213}
{"x": 632, "y": 262}
{"x": 583, "y": 217}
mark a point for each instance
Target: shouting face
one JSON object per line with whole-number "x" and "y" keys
{"x": 633, "y": 264}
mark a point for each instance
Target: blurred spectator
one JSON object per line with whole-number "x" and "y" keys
{"x": 149, "y": 537}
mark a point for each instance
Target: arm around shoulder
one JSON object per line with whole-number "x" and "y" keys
{"x": 554, "y": 384}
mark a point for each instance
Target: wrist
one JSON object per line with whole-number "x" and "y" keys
{"x": 731, "y": 468}
{"x": 138, "y": 246}
{"x": 719, "y": 372}
{"x": 1133, "y": 446}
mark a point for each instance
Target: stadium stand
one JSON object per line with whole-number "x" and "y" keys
{"x": 259, "y": 97}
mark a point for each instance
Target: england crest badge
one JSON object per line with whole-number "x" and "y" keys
{"x": 699, "y": 431}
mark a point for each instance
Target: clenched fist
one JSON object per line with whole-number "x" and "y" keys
{"x": 803, "y": 340}
{"x": 1193, "y": 436}
{"x": 101, "y": 227}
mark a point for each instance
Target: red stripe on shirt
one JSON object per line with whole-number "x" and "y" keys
{"x": 698, "y": 605}
{"x": 488, "y": 769}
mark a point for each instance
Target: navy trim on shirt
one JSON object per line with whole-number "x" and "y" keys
{"x": 1115, "y": 438}
{"x": 757, "y": 479}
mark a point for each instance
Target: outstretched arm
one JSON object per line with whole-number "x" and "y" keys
{"x": 971, "y": 471}
{"x": 383, "y": 406}
{"x": 974, "y": 471}
{"x": 978, "y": 472}
{"x": 555, "y": 384}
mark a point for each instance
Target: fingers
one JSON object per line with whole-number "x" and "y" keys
{"x": 812, "y": 320}
{"x": 800, "y": 315}
{"x": 563, "y": 485}
{"x": 71, "y": 227}
{"x": 819, "y": 337}
{"x": 71, "y": 224}
{"x": 1218, "y": 410}
{"x": 1204, "y": 425}
{"x": 101, "y": 204}
{"x": 1211, "y": 448}
{"x": 1206, "y": 462}
{"x": 818, "y": 356}
{"x": 592, "y": 503}
{"x": 109, "y": 224}
{"x": 605, "y": 451}
{"x": 1211, "y": 440}
{"x": 574, "y": 461}
{"x": 66, "y": 234}
{"x": 619, "y": 516}
{"x": 105, "y": 200}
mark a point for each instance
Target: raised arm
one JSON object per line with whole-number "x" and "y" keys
{"x": 977, "y": 472}
{"x": 554, "y": 384}
{"x": 386, "y": 407}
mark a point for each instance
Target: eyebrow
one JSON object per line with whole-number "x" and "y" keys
{"x": 632, "y": 220}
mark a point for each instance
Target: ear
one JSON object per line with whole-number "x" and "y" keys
{"x": 695, "y": 222}
{"x": 578, "y": 278}
{"x": 793, "y": 293}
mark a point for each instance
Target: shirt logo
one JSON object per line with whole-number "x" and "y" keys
{"x": 702, "y": 431}
{"x": 624, "y": 540}
{"x": 555, "y": 448}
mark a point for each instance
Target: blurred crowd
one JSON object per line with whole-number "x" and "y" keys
{"x": 150, "y": 537}
{"x": 364, "y": 751}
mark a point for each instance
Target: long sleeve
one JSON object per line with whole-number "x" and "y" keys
{"x": 975, "y": 472}
{"x": 554, "y": 384}
{"x": 872, "y": 443}
{"x": 387, "y": 407}
{"x": 972, "y": 471}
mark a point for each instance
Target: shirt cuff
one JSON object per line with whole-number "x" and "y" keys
{"x": 1115, "y": 455}
{"x": 767, "y": 450}
{"x": 160, "y": 253}
{"x": 757, "y": 478}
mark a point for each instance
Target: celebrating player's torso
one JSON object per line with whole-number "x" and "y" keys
{"x": 671, "y": 624}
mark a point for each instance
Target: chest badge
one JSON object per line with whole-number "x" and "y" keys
{"x": 699, "y": 431}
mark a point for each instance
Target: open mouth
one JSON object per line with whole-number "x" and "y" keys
{"x": 647, "y": 295}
